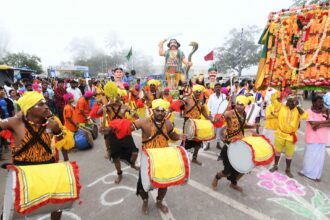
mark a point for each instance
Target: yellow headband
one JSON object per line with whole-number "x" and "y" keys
{"x": 160, "y": 103}
{"x": 29, "y": 100}
{"x": 198, "y": 87}
{"x": 242, "y": 100}
{"x": 153, "y": 81}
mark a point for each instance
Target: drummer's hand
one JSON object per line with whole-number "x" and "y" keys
{"x": 53, "y": 125}
{"x": 183, "y": 137}
{"x": 105, "y": 130}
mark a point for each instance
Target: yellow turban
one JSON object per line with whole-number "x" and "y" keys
{"x": 153, "y": 81}
{"x": 29, "y": 100}
{"x": 121, "y": 92}
{"x": 198, "y": 87}
{"x": 242, "y": 100}
{"x": 160, "y": 103}
{"x": 251, "y": 99}
{"x": 275, "y": 96}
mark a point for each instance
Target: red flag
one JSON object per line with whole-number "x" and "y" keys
{"x": 209, "y": 56}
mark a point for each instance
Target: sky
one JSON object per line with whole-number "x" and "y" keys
{"x": 46, "y": 28}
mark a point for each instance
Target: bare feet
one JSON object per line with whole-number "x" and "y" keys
{"x": 275, "y": 168}
{"x": 288, "y": 173}
{"x": 119, "y": 178}
{"x": 300, "y": 174}
{"x": 161, "y": 206}
{"x": 135, "y": 167}
{"x": 235, "y": 187}
{"x": 218, "y": 146}
{"x": 215, "y": 183}
{"x": 196, "y": 162}
{"x": 145, "y": 207}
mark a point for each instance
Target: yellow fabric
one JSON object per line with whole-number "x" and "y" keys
{"x": 5, "y": 67}
{"x": 110, "y": 90}
{"x": 251, "y": 99}
{"x": 198, "y": 87}
{"x": 204, "y": 129}
{"x": 242, "y": 100}
{"x": 140, "y": 112}
{"x": 39, "y": 183}
{"x": 67, "y": 143}
{"x": 272, "y": 110}
{"x": 160, "y": 103}
{"x": 288, "y": 146}
{"x": 121, "y": 92}
{"x": 288, "y": 122}
{"x": 165, "y": 170}
{"x": 154, "y": 82}
{"x": 262, "y": 149}
{"x": 29, "y": 100}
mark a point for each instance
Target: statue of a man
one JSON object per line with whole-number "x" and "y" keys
{"x": 174, "y": 58}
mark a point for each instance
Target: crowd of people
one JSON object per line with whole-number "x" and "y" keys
{"x": 28, "y": 111}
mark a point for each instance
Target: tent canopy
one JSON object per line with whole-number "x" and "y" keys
{"x": 5, "y": 67}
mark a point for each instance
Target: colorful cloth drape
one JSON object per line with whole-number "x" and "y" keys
{"x": 39, "y": 185}
{"x": 167, "y": 166}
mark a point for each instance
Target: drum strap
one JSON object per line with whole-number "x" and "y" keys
{"x": 36, "y": 138}
{"x": 158, "y": 132}
{"x": 195, "y": 105}
{"x": 250, "y": 113}
{"x": 116, "y": 116}
{"x": 241, "y": 123}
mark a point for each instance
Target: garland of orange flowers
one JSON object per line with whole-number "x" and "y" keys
{"x": 318, "y": 48}
{"x": 305, "y": 40}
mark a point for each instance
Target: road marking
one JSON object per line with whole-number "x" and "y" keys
{"x": 105, "y": 193}
{"x": 69, "y": 214}
{"x": 103, "y": 178}
{"x": 227, "y": 200}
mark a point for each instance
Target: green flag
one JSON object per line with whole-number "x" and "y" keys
{"x": 129, "y": 55}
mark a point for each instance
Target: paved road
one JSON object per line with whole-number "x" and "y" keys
{"x": 102, "y": 199}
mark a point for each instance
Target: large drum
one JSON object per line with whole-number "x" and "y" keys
{"x": 83, "y": 139}
{"x": 199, "y": 130}
{"x": 223, "y": 106}
{"x": 249, "y": 152}
{"x": 40, "y": 189}
{"x": 164, "y": 167}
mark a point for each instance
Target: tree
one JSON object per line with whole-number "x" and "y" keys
{"x": 308, "y": 2}
{"x": 24, "y": 60}
{"x": 240, "y": 50}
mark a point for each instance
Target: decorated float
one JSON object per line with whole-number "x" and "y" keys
{"x": 296, "y": 49}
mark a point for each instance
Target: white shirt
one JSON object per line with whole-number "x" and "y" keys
{"x": 268, "y": 95}
{"x": 214, "y": 103}
{"x": 76, "y": 94}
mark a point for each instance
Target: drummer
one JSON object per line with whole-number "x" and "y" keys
{"x": 119, "y": 149}
{"x": 33, "y": 131}
{"x": 193, "y": 109}
{"x": 156, "y": 131}
{"x": 236, "y": 122}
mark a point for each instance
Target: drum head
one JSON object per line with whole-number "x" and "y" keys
{"x": 223, "y": 106}
{"x": 189, "y": 129}
{"x": 240, "y": 157}
{"x": 144, "y": 173}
